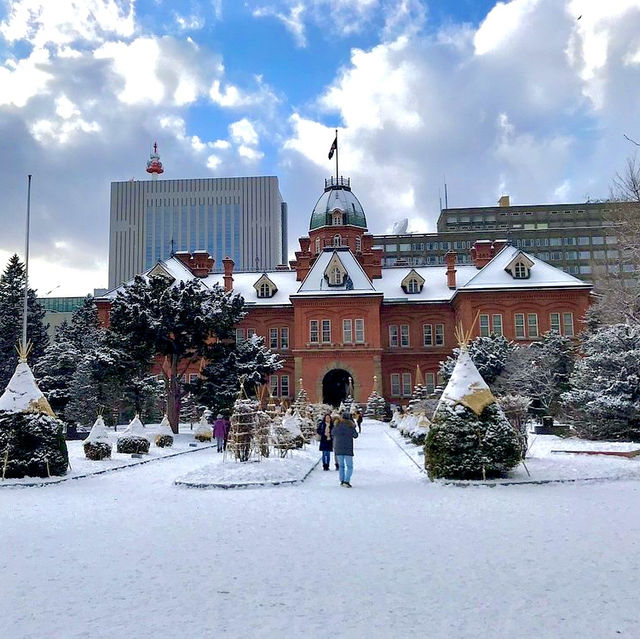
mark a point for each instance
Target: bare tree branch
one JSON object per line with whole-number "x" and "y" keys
{"x": 631, "y": 140}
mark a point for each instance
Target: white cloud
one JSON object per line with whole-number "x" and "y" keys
{"x": 20, "y": 80}
{"x": 293, "y": 20}
{"x": 501, "y": 23}
{"x": 192, "y": 22}
{"x": 243, "y": 132}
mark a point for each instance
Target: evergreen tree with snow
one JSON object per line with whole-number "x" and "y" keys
{"x": 604, "y": 399}
{"x": 176, "y": 321}
{"x": 12, "y": 283}
{"x": 489, "y": 355}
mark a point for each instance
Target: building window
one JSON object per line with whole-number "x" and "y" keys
{"x": 337, "y": 240}
{"x": 520, "y": 271}
{"x": 413, "y": 286}
{"x": 239, "y": 335}
{"x": 430, "y": 382}
{"x": 427, "y": 333}
{"x": 251, "y": 332}
{"x": 314, "y": 331}
{"x": 317, "y": 245}
{"x": 393, "y": 335}
{"x": 554, "y": 322}
{"x": 326, "y": 331}
{"x": 484, "y": 325}
{"x": 273, "y": 338}
{"x": 347, "y": 331}
{"x": 519, "y": 325}
{"x": 358, "y": 244}
{"x": 337, "y": 219}
{"x": 567, "y": 324}
{"x": 273, "y": 385}
{"x": 406, "y": 384}
{"x": 395, "y": 384}
{"x": 284, "y": 386}
{"x": 284, "y": 338}
{"x": 532, "y": 324}
{"x": 404, "y": 335}
{"x": 359, "y": 324}
{"x": 497, "y": 325}
{"x": 335, "y": 277}
{"x": 193, "y": 377}
{"x": 264, "y": 290}
{"x": 439, "y": 334}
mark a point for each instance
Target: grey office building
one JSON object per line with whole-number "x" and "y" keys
{"x": 243, "y": 218}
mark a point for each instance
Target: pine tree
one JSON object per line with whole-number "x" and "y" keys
{"x": 604, "y": 399}
{"x": 12, "y": 283}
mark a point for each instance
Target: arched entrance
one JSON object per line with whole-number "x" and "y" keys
{"x": 335, "y": 387}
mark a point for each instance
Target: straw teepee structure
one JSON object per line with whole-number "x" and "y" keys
{"x": 469, "y": 437}
{"x": 98, "y": 445}
{"x": 32, "y": 440}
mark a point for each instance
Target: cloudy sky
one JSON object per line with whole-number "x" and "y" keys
{"x": 528, "y": 97}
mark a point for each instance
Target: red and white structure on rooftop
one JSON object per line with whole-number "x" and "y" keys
{"x": 154, "y": 166}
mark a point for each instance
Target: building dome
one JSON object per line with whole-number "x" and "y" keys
{"x": 337, "y": 195}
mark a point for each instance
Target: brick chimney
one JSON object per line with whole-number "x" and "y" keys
{"x": 228, "y": 265}
{"x": 450, "y": 261}
{"x": 497, "y": 246}
{"x": 200, "y": 263}
{"x": 481, "y": 253}
{"x": 504, "y": 201}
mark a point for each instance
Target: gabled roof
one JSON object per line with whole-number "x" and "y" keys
{"x": 315, "y": 283}
{"x": 265, "y": 279}
{"x": 542, "y": 275}
{"x": 412, "y": 274}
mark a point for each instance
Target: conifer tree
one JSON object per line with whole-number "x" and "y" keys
{"x": 12, "y": 283}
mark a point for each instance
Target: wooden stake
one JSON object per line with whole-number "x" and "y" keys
{"x": 6, "y": 461}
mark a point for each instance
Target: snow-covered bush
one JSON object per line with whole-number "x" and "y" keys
{"x": 605, "y": 398}
{"x": 243, "y": 425}
{"x": 489, "y": 354}
{"x": 97, "y": 445}
{"x": 396, "y": 418}
{"x": 287, "y": 434}
{"x": 163, "y": 434}
{"x": 31, "y": 437}
{"x": 419, "y": 433}
{"x": 134, "y": 438}
{"x": 307, "y": 426}
{"x": 470, "y": 437}
{"x": 203, "y": 431}
{"x": 376, "y": 406}
{"x": 516, "y": 410}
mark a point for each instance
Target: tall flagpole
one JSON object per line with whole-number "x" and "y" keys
{"x": 336, "y": 156}
{"x": 26, "y": 268}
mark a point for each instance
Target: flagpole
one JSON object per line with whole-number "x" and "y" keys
{"x": 336, "y": 157}
{"x": 26, "y": 268}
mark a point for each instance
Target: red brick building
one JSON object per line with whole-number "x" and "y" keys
{"x": 335, "y": 315}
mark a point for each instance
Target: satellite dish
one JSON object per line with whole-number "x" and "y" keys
{"x": 400, "y": 227}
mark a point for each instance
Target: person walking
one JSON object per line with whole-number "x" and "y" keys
{"x": 359, "y": 421}
{"x": 344, "y": 432}
{"x": 220, "y": 432}
{"x": 325, "y": 427}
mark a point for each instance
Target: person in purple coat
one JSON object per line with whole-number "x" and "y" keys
{"x": 220, "y": 432}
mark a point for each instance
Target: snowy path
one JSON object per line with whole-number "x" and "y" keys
{"x": 131, "y": 555}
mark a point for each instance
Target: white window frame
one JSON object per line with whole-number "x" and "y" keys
{"x": 554, "y": 323}
{"x": 405, "y": 336}
{"x": 314, "y": 331}
{"x": 240, "y": 335}
{"x": 317, "y": 245}
{"x": 193, "y": 377}
{"x": 520, "y": 271}
{"x": 337, "y": 240}
{"x": 265, "y": 290}
{"x": 439, "y": 335}
{"x": 335, "y": 276}
{"x": 284, "y": 385}
{"x": 519, "y": 326}
{"x": 395, "y": 384}
{"x": 567, "y": 323}
{"x": 532, "y": 326}
{"x": 430, "y": 382}
{"x": 358, "y": 325}
{"x": 326, "y": 331}
{"x": 347, "y": 331}
{"x": 497, "y": 325}
{"x": 337, "y": 219}
{"x": 485, "y": 328}
{"x": 273, "y": 338}
{"x": 413, "y": 286}
{"x": 394, "y": 336}
{"x": 358, "y": 244}
{"x": 407, "y": 389}
{"x": 427, "y": 335}
{"x": 273, "y": 385}
{"x": 284, "y": 338}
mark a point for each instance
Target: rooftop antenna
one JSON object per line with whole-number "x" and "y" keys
{"x": 446, "y": 194}
{"x": 173, "y": 252}
{"x": 440, "y": 197}
{"x": 26, "y": 268}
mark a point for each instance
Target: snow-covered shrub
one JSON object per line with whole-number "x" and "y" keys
{"x": 97, "y": 445}
{"x": 376, "y": 406}
{"x": 164, "y": 434}
{"x": 396, "y": 418}
{"x": 134, "y": 438}
{"x": 307, "y": 427}
{"x": 203, "y": 431}
{"x": 409, "y": 422}
{"x": 605, "y": 398}
{"x": 287, "y": 434}
{"x": 419, "y": 433}
{"x": 470, "y": 437}
{"x": 243, "y": 425}
{"x": 516, "y": 410}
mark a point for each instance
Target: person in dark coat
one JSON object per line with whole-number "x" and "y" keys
{"x": 359, "y": 421}
{"x": 344, "y": 432}
{"x": 325, "y": 427}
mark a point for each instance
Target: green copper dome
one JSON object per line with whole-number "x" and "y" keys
{"x": 337, "y": 195}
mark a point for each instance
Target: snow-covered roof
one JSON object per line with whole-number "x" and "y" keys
{"x": 243, "y": 284}
{"x": 541, "y": 274}
{"x": 22, "y": 394}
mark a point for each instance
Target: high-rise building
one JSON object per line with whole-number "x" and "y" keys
{"x": 578, "y": 238}
{"x": 243, "y": 218}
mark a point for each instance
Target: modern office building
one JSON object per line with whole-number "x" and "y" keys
{"x": 243, "y": 218}
{"x": 578, "y": 238}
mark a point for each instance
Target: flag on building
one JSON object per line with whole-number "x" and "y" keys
{"x": 334, "y": 147}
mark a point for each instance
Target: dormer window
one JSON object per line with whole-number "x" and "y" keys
{"x": 265, "y": 288}
{"x": 335, "y": 273}
{"x": 413, "y": 283}
{"x": 337, "y": 217}
{"x": 337, "y": 240}
{"x": 520, "y": 267}
{"x": 335, "y": 276}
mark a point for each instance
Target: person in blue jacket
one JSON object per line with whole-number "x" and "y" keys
{"x": 344, "y": 432}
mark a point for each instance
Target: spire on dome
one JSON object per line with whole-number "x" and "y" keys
{"x": 154, "y": 166}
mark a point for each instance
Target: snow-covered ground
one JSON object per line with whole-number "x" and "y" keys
{"x": 544, "y": 464}
{"x": 129, "y": 554}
